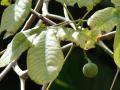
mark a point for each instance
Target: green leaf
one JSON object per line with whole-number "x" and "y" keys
{"x": 116, "y": 2}
{"x": 14, "y": 17}
{"x": 5, "y": 2}
{"x": 81, "y": 3}
{"x": 45, "y": 58}
{"x": 103, "y": 21}
{"x": 117, "y": 47}
{"x": 83, "y": 38}
{"x": 21, "y": 42}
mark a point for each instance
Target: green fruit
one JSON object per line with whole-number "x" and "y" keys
{"x": 90, "y": 70}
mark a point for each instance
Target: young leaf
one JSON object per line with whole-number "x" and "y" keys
{"x": 104, "y": 20}
{"x": 117, "y": 47}
{"x": 21, "y": 42}
{"x": 83, "y": 38}
{"x": 81, "y": 3}
{"x": 45, "y": 58}
{"x": 14, "y": 17}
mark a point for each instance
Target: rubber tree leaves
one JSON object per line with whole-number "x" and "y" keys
{"x": 83, "y": 38}
{"x": 103, "y": 21}
{"x": 81, "y": 3}
{"x": 117, "y": 47}
{"x": 45, "y": 58}
{"x": 21, "y": 42}
{"x": 116, "y": 2}
{"x": 14, "y": 16}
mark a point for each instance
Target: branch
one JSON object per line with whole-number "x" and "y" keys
{"x": 32, "y": 17}
{"x": 22, "y": 83}
{"x": 6, "y": 70}
{"x": 22, "y": 75}
{"x": 40, "y": 16}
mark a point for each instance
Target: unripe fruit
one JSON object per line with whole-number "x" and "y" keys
{"x": 90, "y": 70}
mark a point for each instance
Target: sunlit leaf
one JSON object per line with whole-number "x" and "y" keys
{"x": 45, "y": 58}
{"x": 14, "y": 17}
{"x": 104, "y": 20}
{"x": 83, "y": 38}
{"x": 117, "y": 47}
{"x": 81, "y": 3}
{"x": 21, "y": 42}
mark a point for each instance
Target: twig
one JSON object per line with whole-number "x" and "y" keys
{"x": 115, "y": 77}
{"x": 107, "y": 36}
{"x": 40, "y": 16}
{"x": 32, "y": 17}
{"x": 65, "y": 47}
{"x": 73, "y": 25}
{"x": 53, "y": 16}
{"x": 6, "y": 70}
{"x": 70, "y": 50}
{"x": 22, "y": 83}
{"x": 44, "y": 87}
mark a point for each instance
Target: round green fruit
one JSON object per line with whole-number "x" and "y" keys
{"x": 90, "y": 70}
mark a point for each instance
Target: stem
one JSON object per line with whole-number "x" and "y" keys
{"x": 115, "y": 77}
{"x": 81, "y": 20}
{"x": 49, "y": 85}
{"x": 86, "y": 57}
{"x": 67, "y": 14}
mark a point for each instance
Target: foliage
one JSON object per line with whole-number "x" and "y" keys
{"x": 45, "y": 57}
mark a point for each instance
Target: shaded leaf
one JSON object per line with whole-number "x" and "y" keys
{"x": 104, "y": 20}
{"x": 81, "y": 3}
{"x": 14, "y": 17}
{"x": 21, "y": 42}
{"x": 5, "y": 2}
{"x": 45, "y": 58}
{"x": 116, "y": 2}
{"x": 117, "y": 47}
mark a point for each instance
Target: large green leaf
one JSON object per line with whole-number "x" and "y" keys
{"x": 117, "y": 47}
{"x": 14, "y": 16}
{"x": 45, "y": 58}
{"x": 83, "y": 38}
{"x": 87, "y": 3}
{"x": 104, "y": 20}
{"x": 21, "y": 42}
